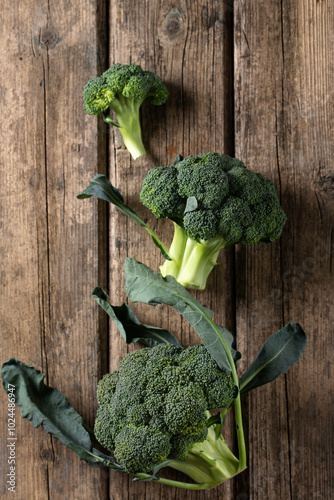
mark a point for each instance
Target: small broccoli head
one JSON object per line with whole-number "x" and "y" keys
{"x": 246, "y": 185}
{"x": 182, "y": 444}
{"x": 154, "y": 406}
{"x": 270, "y": 212}
{"x": 144, "y": 85}
{"x": 118, "y": 76}
{"x": 123, "y": 88}
{"x": 228, "y": 201}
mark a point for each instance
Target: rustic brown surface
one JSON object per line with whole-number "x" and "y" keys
{"x": 54, "y": 248}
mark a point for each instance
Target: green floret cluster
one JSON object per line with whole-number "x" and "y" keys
{"x": 154, "y": 407}
{"x": 230, "y": 201}
{"x": 215, "y": 202}
{"x": 124, "y": 88}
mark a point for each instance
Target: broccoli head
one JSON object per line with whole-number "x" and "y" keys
{"x": 124, "y": 88}
{"x": 154, "y": 407}
{"x": 215, "y": 202}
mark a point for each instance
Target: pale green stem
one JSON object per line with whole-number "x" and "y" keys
{"x": 127, "y": 112}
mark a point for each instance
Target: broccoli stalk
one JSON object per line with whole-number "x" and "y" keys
{"x": 192, "y": 261}
{"x": 210, "y": 462}
{"x": 127, "y": 111}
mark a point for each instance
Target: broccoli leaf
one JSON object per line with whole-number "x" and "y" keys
{"x": 214, "y": 419}
{"x": 229, "y": 339}
{"x": 192, "y": 204}
{"x": 131, "y": 329}
{"x": 102, "y": 188}
{"x": 178, "y": 158}
{"x": 275, "y": 357}
{"x": 144, "y": 285}
{"x": 43, "y": 405}
{"x": 108, "y": 119}
{"x": 108, "y": 461}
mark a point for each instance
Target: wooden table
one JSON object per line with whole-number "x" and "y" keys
{"x": 252, "y": 79}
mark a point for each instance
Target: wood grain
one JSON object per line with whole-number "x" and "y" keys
{"x": 282, "y": 74}
{"x": 50, "y": 246}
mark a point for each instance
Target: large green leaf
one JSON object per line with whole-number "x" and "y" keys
{"x": 275, "y": 357}
{"x": 131, "y": 329}
{"x": 46, "y": 406}
{"x": 102, "y": 188}
{"x": 144, "y": 285}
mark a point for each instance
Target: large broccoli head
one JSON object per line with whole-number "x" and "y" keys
{"x": 215, "y": 196}
{"x": 153, "y": 407}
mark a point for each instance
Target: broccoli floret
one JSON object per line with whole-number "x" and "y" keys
{"x": 181, "y": 445}
{"x": 160, "y": 193}
{"x": 98, "y": 96}
{"x": 138, "y": 449}
{"x": 204, "y": 178}
{"x": 214, "y": 202}
{"x": 247, "y": 185}
{"x": 185, "y": 407}
{"x": 234, "y": 216}
{"x": 201, "y": 224}
{"x": 155, "y": 406}
{"x": 124, "y": 88}
{"x": 200, "y": 363}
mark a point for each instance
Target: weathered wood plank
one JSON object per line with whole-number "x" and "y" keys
{"x": 189, "y": 46}
{"x": 306, "y": 143}
{"x": 24, "y": 233}
{"x": 258, "y": 73}
{"x": 73, "y": 344}
{"x": 283, "y": 70}
{"x": 50, "y": 246}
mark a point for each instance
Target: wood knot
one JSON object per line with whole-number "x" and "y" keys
{"x": 48, "y": 37}
{"x": 75, "y": 147}
{"x": 47, "y": 455}
{"x": 219, "y": 25}
{"x": 325, "y": 188}
{"x": 173, "y": 25}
